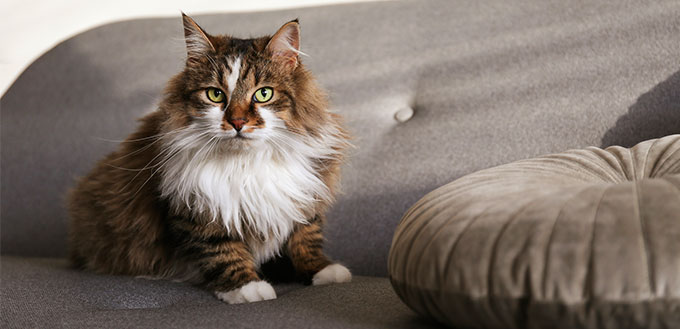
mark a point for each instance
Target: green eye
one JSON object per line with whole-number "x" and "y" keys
{"x": 263, "y": 94}
{"x": 215, "y": 95}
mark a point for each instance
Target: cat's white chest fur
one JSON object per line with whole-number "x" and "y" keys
{"x": 259, "y": 194}
{"x": 260, "y": 199}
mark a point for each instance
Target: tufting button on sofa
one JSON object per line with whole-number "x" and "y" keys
{"x": 404, "y": 114}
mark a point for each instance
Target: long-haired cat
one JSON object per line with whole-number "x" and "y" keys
{"x": 236, "y": 167}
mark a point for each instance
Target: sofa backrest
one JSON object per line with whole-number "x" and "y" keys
{"x": 431, "y": 91}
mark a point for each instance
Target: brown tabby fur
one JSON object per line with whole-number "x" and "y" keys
{"x": 121, "y": 225}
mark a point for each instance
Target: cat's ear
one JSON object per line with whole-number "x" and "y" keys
{"x": 198, "y": 42}
{"x": 284, "y": 46}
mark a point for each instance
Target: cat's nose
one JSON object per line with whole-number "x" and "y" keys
{"x": 237, "y": 123}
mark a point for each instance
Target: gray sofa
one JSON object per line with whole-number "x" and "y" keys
{"x": 431, "y": 90}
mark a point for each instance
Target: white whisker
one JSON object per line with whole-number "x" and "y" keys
{"x": 145, "y": 147}
{"x": 143, "y": 138}
{"x": 161, "y": 153}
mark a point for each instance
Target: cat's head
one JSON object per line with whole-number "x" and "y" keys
{"x": 243, "y": 91}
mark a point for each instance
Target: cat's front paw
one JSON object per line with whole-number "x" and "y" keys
{"x": 334, "y": 273}
{"x": 254, "y": 291}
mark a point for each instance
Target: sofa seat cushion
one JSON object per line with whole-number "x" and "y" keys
{"x": 585, "y": 239}
{"x": 47, "y": 293}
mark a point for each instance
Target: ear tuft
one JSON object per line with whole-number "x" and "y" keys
{"x": 197, "y": 40}
{"x": 284, "y": 46}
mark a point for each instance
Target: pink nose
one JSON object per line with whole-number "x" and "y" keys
{"x": 237, "y": 123}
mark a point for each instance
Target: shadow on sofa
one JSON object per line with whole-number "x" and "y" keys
{"x": 655, "y": 114}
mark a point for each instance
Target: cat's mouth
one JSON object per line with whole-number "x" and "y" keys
{"x": 239, "y": 137}
{"x": 236, "y": 137}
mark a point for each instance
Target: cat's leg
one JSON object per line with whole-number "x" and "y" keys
{"x": 306, "y": 253}
{"x": 231, "y": 272}
{"x": 226, "y": 264}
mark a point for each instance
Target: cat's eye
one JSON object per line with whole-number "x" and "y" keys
{"x": 263, "y": 94}
{"x": 215, "y": 95}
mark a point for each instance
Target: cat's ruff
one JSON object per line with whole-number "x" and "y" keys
{"x": 264, "y": 190}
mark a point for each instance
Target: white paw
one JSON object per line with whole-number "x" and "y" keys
{"x": 254, "y": 291}
{"x": 334, "y": 273}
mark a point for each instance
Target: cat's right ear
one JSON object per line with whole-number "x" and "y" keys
{"x": 197, "y": 41}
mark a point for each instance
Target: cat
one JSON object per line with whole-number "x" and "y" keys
{"x": 234, "y": 169}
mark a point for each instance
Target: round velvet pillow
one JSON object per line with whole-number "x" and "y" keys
{"x": 583, "y": 239}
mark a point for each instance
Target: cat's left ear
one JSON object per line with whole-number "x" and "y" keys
{"x": 284, "y": 46}
{"x": 197, "y": 40}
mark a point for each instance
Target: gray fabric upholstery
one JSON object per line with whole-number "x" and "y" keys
{"x": 46, "y": 293}
{"x": 489, "y": 83}
{"x": 586, "y": 238}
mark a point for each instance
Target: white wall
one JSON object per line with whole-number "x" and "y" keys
{"x": 30, "y": 28}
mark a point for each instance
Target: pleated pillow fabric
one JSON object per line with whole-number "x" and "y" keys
{"x": 582, "y": 239}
